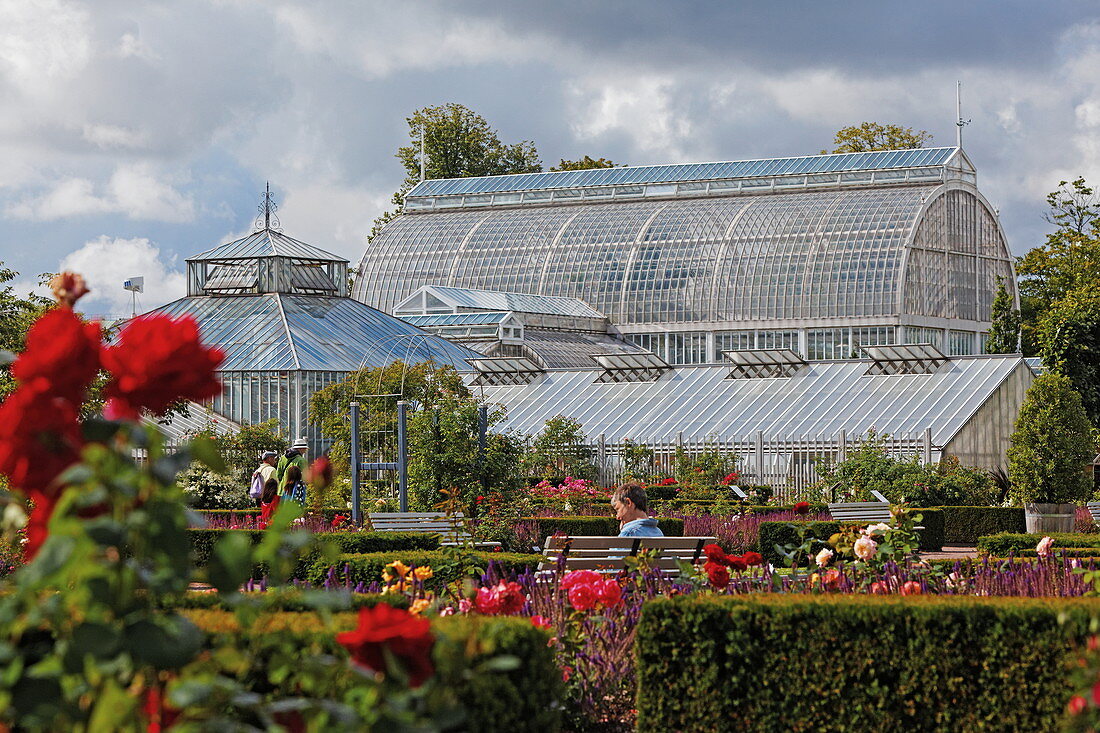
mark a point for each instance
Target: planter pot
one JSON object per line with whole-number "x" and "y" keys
{"x": 1047, "y": 518}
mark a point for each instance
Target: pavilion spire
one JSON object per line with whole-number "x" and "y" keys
{"x": 267, "y": 209}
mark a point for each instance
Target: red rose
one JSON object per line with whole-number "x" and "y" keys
{"x": 831, "y": 579}
{"x": 39, "y": 438}
{"x": 715, "y": 554}
{"x": 802, "y": 507}
{"x": 68, "y": 287}
{"x": 540, "y": 622}
{"x": 610, "y": 593}
{"x": 1077, "y": 704}
{"x": 338, "y": 520}
{"x": 717, "y": 575}
{"x": 157, "y": 361}
{"x": 407, "y": 637}
{"x": 320, "y": 473}
{"x": 737, "y": 562}
{"x": 753, "y": 558}
{"x": 668, "y": 481}
{"x": 1096, "y": 694}
{"x": 62, "y": 355}
{"x": 911, "y": 588}
{"x": 583, "y": 597}
{"x": 731, "y": 478}
{"x": 580, "y": 577}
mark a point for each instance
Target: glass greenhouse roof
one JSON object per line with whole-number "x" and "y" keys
{"x": 492, "y": 300}
{"x": 456, "y": 319}
{"x": 817, "y": 403}
{"x": 878, "y": 160}
{"x": 281, "y": 332}
{"x": 266, "y": 243}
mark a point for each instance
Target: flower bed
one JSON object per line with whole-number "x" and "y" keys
{"x": 847, "y": 663}
{"x": 361, "y": 572}
{"x": 786, "y": 533}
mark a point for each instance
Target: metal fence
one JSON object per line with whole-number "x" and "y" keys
{"x": 788, "y": 466}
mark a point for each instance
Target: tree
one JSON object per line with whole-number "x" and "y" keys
{"x": 1004, "y": 333}
{"x": 1068, "y": 262}
{"x": 458, "y": 143}
{"x": 1069, "y": 336}
{"x": 584, "y": 163}
{"x": 560, "y": 450}
{"x": 1052, "y": 445}
{"x": 17, "y": 314}
{"x": 329, "y": 407}
{"x": 868, "y": 136}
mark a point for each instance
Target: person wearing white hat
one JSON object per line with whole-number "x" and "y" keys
{"x": 295, "y": 456}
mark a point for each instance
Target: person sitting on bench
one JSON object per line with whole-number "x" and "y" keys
{"x": 629, "y": 502}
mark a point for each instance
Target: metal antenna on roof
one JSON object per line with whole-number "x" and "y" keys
{"x": 267, "y": 209}
{"x": 960, "y": 123}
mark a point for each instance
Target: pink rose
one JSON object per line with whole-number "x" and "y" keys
{"x": 580, "y": 577}
{"x": 1044, "y": 547}
{"x": 610, "y": 593}
{"x": 583, "y": 597}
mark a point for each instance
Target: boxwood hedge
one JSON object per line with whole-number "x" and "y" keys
{"x": 367, "y": 567}
{"x": 963, "y": 525}
{"x": 520, "y": 698}
{"x": 1004, "y": 543}
{"x": 848, "y": 662}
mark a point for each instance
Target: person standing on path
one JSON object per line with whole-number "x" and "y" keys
{"x": 295, "y": 456}
{"x": 263, "y": 472}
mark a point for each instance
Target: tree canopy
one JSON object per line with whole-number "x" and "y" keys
{"x": 17, "y": 313}
{"x": 1004, "y": 333}
{"x": 458, "y": 143}
{"x": 584, "y": 163}
{"x": 868, "y": 136}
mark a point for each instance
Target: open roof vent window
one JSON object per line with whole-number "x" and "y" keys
{"x": 505, "y": 371}
{"x": 764, "y": 363}
{"x": 905, "y": 359}
{"x": 643, "y": 366}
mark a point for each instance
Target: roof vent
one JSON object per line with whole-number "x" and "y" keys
{"x": 764, "y": 363}
{"x": 505, "y": 371}
{"x": 904, "y": 359}
{"x": 641, "y": 366}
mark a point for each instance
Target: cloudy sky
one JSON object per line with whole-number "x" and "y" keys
{"x": 133, "y": 134}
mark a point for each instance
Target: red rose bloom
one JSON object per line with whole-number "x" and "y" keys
{"x": 715, "y": 554}
{"x": 717, "y": 575}
{"x": 580, "y": 577}
{"x": 540, "y": 622}
{"x": 1078, "y": 704}
{"x": 157, "y": 361}
{"x": 737, "y": 562}
{"x": 1096, "y": 694}
{"x": 69, "y": 287}
{"x": 62, "y": 355}
{"x": 320, "y": 473}
{"x": 583, "y": 597}
{"x": 753, "y": 558}
{"x": 802, "y": 507}
{"x": 39, "y": 438}
{"x": 610, "y": 594}
{"x": 408, "y": 638}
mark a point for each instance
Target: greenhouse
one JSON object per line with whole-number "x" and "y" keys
{"x": 279, "y": 309}
{"x": 821, "y": 254}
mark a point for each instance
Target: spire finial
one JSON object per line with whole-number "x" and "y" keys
{"x": 267, "y": 209}
{"x": 960, "y": 123}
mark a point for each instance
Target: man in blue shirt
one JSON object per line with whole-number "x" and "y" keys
{"x": 629, "y": 502}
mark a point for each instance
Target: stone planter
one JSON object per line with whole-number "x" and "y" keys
{"x": 1048, "y": 518}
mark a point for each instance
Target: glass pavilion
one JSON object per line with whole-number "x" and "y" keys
{"x": 279, "y": 309}
{"x": 820, "y": 254}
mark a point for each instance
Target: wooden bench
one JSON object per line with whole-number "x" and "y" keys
{"x": 860, "y": 512}
{"x": 449, "y": 527}
{"x": 1094, "y": 511}
{"x": 608, "y": 554}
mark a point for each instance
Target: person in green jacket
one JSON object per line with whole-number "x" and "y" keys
{"x": 295, "y": 456}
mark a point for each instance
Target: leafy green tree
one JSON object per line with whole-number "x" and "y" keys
{"x": 330, "y": 406}
{"x": 1068, "y": 262}
{"x": 1069, "y": 337}
{"x": 561, "y": 449}
{"x": 584, "y": 163}
{"x": 868, "y": 136}
{"x": 17, "y": 313}
{"x": 444, "y": 456}
{"x": 1052, "y": 445}
{"x": 1004, "y": 333}
{"x": 458, "y": 143}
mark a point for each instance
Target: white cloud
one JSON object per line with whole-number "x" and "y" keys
{"x": 105, "y": 262}
{"x": 133, "y": 190}
{"x": 42, "y": 41}
{"x": 113, "y": 136}
{"x": 641, "y": 107}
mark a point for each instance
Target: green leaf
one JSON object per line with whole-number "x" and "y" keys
{"x": 230, "y": 562}
{"x": 106, "y": 532}
{"x": 112, "y": 705}
{"x": 503, "y": 663}
{"x": 99, "y": 640}
{"x": 168, "y": 642}
{"x": 205, "y": 450}
{"x": 98, "y": 430}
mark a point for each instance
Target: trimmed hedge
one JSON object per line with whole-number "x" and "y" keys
{"x": 1007, "y": 542}
{"x": 852, "y": 662}
{"x": 597, "y": 526}
{"x": 963, "y": 525}
{"x": 367, "y": 567}
{"x": 288, "y": 599}
{"x": 203, "y": 541}
{"x": 527, "y": 697}
{"x": 786, "y": 533}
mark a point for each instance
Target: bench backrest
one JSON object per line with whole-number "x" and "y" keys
{"x": 609, "y": 553}
{"x": 1094, "y": 510}
{"x": 448, "y": 525}
{"x": 860, "y": 511}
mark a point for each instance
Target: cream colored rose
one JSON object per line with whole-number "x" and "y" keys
{"x": 824, "y": 557}
{"x": 865, "y": 548}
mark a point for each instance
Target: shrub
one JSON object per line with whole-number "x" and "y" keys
{"x": 1052, "y": 445}
{"x": 596, "y": 526}
{"x": 205, "y": 489}
{"x": 523, "y": 696}
{"x": 366, "y": 568}
{"x": 1004, "y": 543}
{"x": 963, "y": 525}
{"x": 848, "y": 663}
{"x": 786, "y": 533}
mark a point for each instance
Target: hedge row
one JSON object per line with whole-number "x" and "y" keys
{"x": 286, "y": 599}
{"x": 963, "y": 525}
{"x": 524, "y": 697}
{"x": 786, "y": 533}
{"x": 850, "y": 663}
{"x": 1007, "y": 542}
{"x": 367, "y": 567}
{"x": 596, "y": 526}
